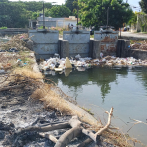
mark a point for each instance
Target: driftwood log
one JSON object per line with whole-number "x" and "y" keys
{"x": 76, "y": 129}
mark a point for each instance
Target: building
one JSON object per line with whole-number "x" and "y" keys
{"x": 53, "y": 22}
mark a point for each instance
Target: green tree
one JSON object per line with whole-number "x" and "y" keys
{"x": 143, "y": 5}
{"x": 72, "y": 5}
{"x": 37, "y": 6}
{"x": 59, "y": 11}
{"x": 133, "y": 20}
{"x": 94, "y": 13}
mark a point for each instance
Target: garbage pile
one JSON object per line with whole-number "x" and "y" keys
{"x": 142, "y": 45}
{"x": 18, "y": 42}
{"x": 58, "y": 64}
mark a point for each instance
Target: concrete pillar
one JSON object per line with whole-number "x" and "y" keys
{"x": 119, "y": 47}
{"x": 122, "y": 48}
{"x": 96, "y": 49}
{"x": 91, "y": 47}
{"x": 64, "y": 50}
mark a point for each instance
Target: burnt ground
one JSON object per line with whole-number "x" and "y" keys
{"x": 17, "y": 110}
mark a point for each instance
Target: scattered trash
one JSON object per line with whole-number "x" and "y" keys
{"x": 81, "y": 64}
{"x": 20, "y": 63}
{"x": 77, "y": 56}
{"x": 67, "y": 63}
{"x": 2, "y": 71}
{"x": 142, "y": 45}
{"x": 101, "y": 54}
{"x": 18, "y": 42}
{"x": 14, "y": 49}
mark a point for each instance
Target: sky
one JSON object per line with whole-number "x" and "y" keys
{"x": 133, "y": 3}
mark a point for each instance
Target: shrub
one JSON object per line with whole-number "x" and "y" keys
{"x": 3, "y": 27}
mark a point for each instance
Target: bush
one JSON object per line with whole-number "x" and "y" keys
{"x": 3, "y": 28}
{"x": 41, "y": 27}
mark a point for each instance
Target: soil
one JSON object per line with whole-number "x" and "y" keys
{"x": 17, "y": 110}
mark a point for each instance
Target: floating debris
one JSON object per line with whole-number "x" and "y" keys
{"x": 83, "y": 63}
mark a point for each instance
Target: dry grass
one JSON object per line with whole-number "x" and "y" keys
{"x": 51, "y": 99}
{"x": 56, "y": 102}
{"x": 28, "y": 73}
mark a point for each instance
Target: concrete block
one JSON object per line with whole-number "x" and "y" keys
{"x": 122, "y": 48}
{"x": 44, "y": 37}
{"x": 78, "y": 48}
{"x": 96, "y": 49}
{"x": 46, "y": 48}
{"x": 74, "y": 37}
{"x": 45, "y": 43}
{"x": 108, "y": 41}
{"x": 110, "y": 37}
{"x": 78, "y": 42}
{"x": 64, "y": 52}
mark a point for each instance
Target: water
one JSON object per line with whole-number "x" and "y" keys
{"x": 99, "y": 89}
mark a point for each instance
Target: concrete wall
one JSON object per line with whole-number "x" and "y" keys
{"x": 47, "y": 23}
{"x": 45, "y": 43}
{"x": 108, "y": 41}
{"x": 138, "y": 54}
{"x": 12, "y": 31}
{"x": 78, "y": 42}
{"x": 123, "y": 50}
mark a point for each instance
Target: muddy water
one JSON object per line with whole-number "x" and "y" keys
{"x": 98, "y": 89}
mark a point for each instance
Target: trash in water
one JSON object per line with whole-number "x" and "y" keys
{"x": 59, "y": 65}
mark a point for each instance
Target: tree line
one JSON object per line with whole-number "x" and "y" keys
{"x": 91, "y": 12}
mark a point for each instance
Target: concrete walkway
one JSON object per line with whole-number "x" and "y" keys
{"x": 136, "y": 36}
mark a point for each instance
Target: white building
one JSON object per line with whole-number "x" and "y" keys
{"x": 54, "y": 22}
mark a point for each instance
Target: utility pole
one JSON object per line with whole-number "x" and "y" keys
{"x": 43, "y": 17}
{"x": 107, "y": 16}
{"x": 77, "y": 15}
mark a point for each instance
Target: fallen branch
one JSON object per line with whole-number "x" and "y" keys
{"x": 50, "y": 137}
{"x": 68, "y": 136}
{"x": 44, "y": 129}
{"x": 76, "y": 129}
{"x": 95, "y": 137}
{"x": 135, "y": 123}
{"x": 86, "y": 142}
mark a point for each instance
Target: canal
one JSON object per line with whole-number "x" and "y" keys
{"x": 98, "y": 89}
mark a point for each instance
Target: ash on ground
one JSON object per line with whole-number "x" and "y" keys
{"x": 19, "y": 111}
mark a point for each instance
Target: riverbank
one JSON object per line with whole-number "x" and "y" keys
{"x": 21, "y": 88}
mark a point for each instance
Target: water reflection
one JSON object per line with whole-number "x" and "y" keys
{"x": 102, "y": 77}
{"x": 141, "y": 75}
{"x": 123, "y": 88}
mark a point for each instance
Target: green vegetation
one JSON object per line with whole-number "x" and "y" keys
{"x": 94, "y": 13}
{"x": 143, "y": 5}
{"x": 3, "y": 28}
{"x": 72, "y": 5}
{"x": 59, "y": 11}
{"x": 91, "y": 12}
{"x": 16, "y": 14}
{"x": 41, "y": 27}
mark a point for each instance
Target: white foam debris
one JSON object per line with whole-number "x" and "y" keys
{"x": 58, "y": 64}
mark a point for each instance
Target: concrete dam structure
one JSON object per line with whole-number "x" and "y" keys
{"x": 47, "y": 43}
